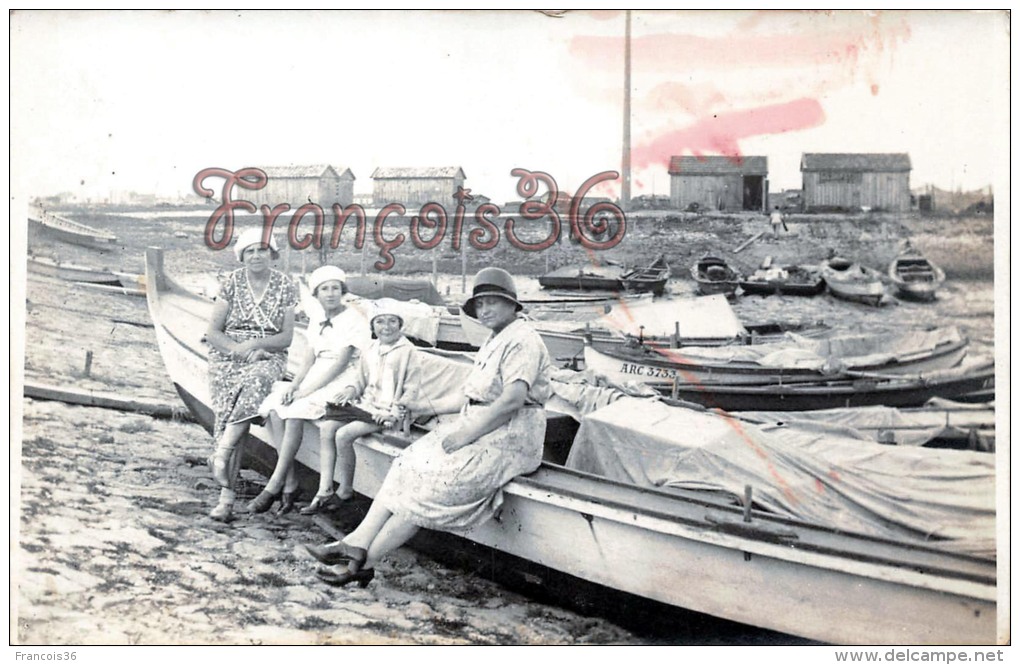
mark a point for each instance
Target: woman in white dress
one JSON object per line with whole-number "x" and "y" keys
{"x": 336, "y": 334}
{"x": 452, "y": 478}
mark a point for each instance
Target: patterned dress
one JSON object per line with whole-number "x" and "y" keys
{"x": 460, "y": 490}
{"x": 238, "y": 387}
{"x": 327, "y": 338}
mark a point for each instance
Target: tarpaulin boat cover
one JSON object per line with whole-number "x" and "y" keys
{"x": 945, "y": 498}
{"x": 421, "y": 321}
{"x": 833, "y": 353}
{"x": 405, "y": 289}
{"x": 909, "y": 427}
{"x": 706, "y": 318}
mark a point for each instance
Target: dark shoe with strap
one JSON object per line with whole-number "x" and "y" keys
{"x": 288, "y": 502}
{"x": 263, "y": 502}
{"x": 362, "y": 577}
{"x": 332, "y": 554}
{"x": 323, "y": 504}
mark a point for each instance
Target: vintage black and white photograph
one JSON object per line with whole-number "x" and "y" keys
{"x": 493, "y": 328}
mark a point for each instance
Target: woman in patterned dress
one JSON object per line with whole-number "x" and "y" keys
{"x": 251, "y": 328}
{"x": 452, "y": 478}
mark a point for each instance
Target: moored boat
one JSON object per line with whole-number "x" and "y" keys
{"x": 689, "y": 549}
{"x": 852, "y": 281}
{"x": 798, "y": 360}
{"x": 791, "y": 280}
{"x": 713, "y": 275}
{"x": 71, "y": 272}
{"x": 915, "y": 277}
{"x": 651, "y": 278}
{"x": 590, "y": 277}
{"x": 68, "y": 230}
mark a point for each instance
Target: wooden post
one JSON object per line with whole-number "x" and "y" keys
{"x": 88, "y": 363}
{"x": 435, "y": 271}
{"x": 463, "y": 267}
{"x": 747, "y": 513}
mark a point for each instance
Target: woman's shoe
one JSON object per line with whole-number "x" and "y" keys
{"x": 362, "y": 577}
{"x": 321, "y": 504}
{"x": 339, "y": 552}
{"x": 223, "y": 509}
{"x": 287, "y": 502}
{"x": 263, "y": 502}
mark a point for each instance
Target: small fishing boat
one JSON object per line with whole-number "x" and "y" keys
{"x": 899, "y": 352}
{"x": 71, "y": 272}
{"x": 791, "y": 280}
{"x": 866, "y": 390}
{"x": 692, "y": 549}
{"x": 915, "y": 277}
{"x": 651, "y": 278}
{"x": 713, "y": 275}
{"x": 589, "y": 277}
{"x": 852, "y": 281}
{"x": 69, "y": 231}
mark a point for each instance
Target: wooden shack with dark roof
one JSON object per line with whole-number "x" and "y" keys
{"x": 297, "y": 185}
{"x": 855, "y": 181}
{"x": 718, "y": 182}
{"x": 413, "y": 187}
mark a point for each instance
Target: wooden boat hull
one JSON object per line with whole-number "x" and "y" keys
{"x": 768, "y": 287}
{"x": 833, "y": 395}
{"x": 650, "y": 279}
{"x": 676, "y": 547}
{"x": 854, "y": 283}
{"x": 73, "y": 273}
{"x": 714, "y": 276}
{"x": 915, "y": 278}
{"x": 622, "y": 364}
{"x": 69, "y": 231}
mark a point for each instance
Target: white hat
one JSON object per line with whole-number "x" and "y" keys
{"x": 325, "y": 274}
{"x": 384, "y": 307}
{"x": 254, "y": 237}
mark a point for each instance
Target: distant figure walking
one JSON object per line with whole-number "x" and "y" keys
{"x": 776, "y": 219}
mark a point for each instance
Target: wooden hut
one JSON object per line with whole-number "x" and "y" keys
{"x": 298, "y": 185}
{"x": 875, "y": 181}
{"x": 718, "y": 182}
{"x": 413, "y": 187}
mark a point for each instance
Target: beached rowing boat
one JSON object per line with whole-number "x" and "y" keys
{"x": 795, "y": 360}
{"x": 652, "y": 278}
{"x": 791, "y": 280}
{"x": 851, "y": 281}
{"x": 68, "y": 230}
{"x": 713, "y": 275}
{"x": 689, "y": 549}
{"x": 71, "y": 272}
{"x": 915, "y": 277}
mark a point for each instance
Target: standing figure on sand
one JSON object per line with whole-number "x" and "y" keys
{"x": 776, "y": 220}
{"x": 337, "y": 334}
{"x": 250, "y": 331}
{"x": 451, "y": 479}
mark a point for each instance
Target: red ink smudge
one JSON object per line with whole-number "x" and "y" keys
{"x": 874, "y": 89}
{"x": 721, "y": 133}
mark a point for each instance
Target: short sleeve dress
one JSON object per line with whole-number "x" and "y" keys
{"x": 460, "y": 490}
{"x": 238, "y": 387}
{"x": 327, "y": 337}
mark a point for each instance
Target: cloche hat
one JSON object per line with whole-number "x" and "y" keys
{"x": 492, "y": 282}
{"x": 254, "y": 237}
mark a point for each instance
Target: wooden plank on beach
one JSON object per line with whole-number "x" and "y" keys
{"x": 106, "y": 400}
{"x": 748, "y": 242}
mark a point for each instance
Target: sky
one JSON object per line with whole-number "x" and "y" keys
{"x": 109, "y": 101}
